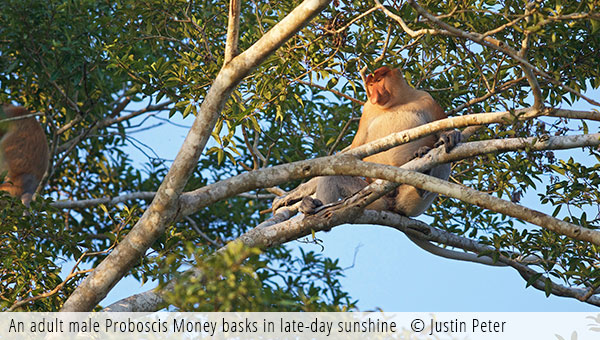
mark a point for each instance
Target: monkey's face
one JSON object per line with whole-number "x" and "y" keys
{"x": 383, "y": 87}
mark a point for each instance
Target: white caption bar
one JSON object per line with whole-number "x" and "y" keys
{"x": 376, "y": 325}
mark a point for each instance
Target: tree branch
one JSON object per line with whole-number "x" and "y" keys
{"x": 336, "y": 92}
{"x": 265, "y": 178}
{"x": 144, "y": 195}
{"x": 280, "y": 229}
{"x": 164, "y": 207}
{"x": 345, "y": 165}
{"x": 233, "y": 30}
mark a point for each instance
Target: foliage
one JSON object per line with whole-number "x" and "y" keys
{"x": 238, "y": 280}
{"x": 76, "y": 60}
{"x": 30, "y": 241}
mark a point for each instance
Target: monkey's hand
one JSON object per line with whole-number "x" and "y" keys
{"x": 449, "y": 139}
{"x": 422, "y": 151}
{"x": 308, "y": 205}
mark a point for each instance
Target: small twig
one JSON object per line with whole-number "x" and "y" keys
{"x": 203, "y": 235}
{"x": 342, "y": 134}
{"x": 12, "y": 119}
{"x": 495, "y": 90}
{"x": 345, "y": 27}
{"x": 336, "y": 92}
{"x": 257, "y": 196}
{"x": 385, "y": 45}
{"x": 149, "y": 108}
{"x": 505, "y": 26}
{"x": 250, "y": 148}
{"x": 408, "y": 30}
{"x": 60, "y": 286}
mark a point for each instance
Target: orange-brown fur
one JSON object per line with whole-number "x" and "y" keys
{"x": 23, "y": 153}
{"x": 392, "y": 106}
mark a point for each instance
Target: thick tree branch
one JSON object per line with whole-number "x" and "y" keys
{"x": 264, "y": 235}
{"x": 406, "y": 136}
{"x": 164, "y": 207}
{"x": 443, "y": 237}
{"x": 465, "y": 194}
{"x": 344, "y": 165}
{"x": 233, "y": 30}
{"x": 191, "y": 201}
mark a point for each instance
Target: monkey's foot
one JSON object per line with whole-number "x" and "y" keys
{"x": 449, "y": 139}
{"x": 308, "y": 205}
{"x": 284, "y": 201}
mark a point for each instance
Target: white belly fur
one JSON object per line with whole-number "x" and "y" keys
{"x": 383, "y": 125}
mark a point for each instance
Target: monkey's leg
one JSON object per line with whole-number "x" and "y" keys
{"x": 28, "y": 183}
{"x": 319, "y": 191}
{"x": 22, "y": 186}
{"x": 410, "y": 201}
{"x": 296, "y": 195}
{"x": 331, "y": 189}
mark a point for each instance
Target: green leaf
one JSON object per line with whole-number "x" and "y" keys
{"x": 548, "y": 287}
{"x": 595, "y": 25}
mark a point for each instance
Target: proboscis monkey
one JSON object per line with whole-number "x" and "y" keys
{"x": 23, "y": 153}
{"x": 392, "y": 106}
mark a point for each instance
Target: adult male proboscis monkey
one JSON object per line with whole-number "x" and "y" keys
{"x": 392, "y": 106}
{"x": 23, "y": 153}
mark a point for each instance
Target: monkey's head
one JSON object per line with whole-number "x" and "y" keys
{"x": 385, "y": 87}
{"x": 9, "y": 111}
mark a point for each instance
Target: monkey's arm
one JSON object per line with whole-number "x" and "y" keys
{"x": 361, "y": 135}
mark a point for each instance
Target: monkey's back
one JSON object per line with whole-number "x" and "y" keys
{"x": 20, "y": 145}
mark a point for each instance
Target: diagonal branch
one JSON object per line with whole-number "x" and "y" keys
{"x": 348, "y": 165}
{"x": 267, "y": 177}
{"x": 279, "y": 230}
{"x": 165, "y": 206}
{"x": 444, "y": 237}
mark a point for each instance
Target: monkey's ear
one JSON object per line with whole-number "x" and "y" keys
{"x": 368, "y": 82}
